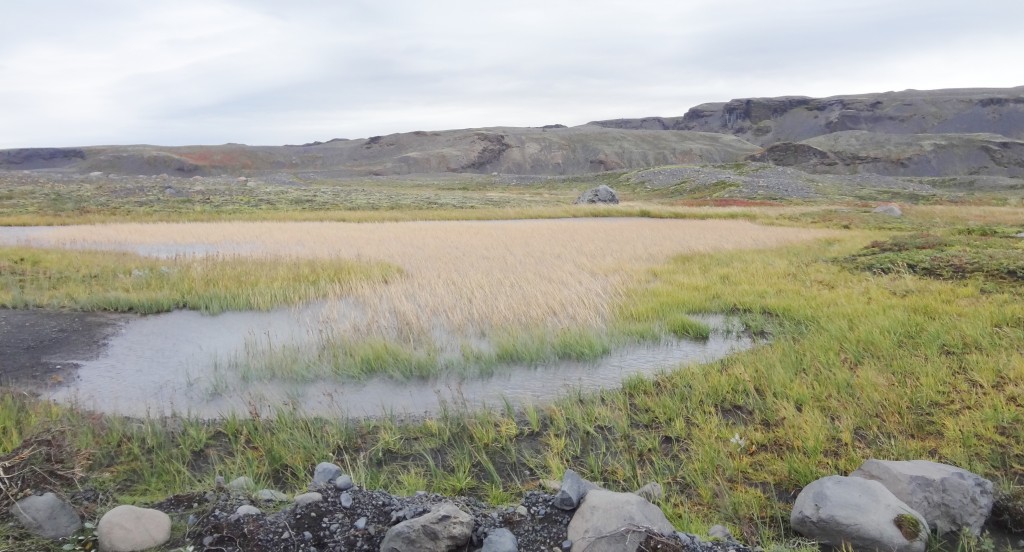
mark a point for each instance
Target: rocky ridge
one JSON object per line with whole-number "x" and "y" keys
{"x": 765, "y": 121}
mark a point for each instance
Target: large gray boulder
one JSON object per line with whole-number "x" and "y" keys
{"x": 132, "y": 529}
{"x": 600, "y": 194}
{"x": 852, "y": 511}
{"x": 607, "y": 521}
{"x": 46, "y": 516}
{"x": 949, "y": 498}
{"x": 445, "y": 528}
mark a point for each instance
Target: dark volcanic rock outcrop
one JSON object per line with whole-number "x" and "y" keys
{"x": 39, "y": 158}
{"x": 795, "y": 118}
{"x": 857, "y": 151}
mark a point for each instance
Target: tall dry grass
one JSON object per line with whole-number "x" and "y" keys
{"x": 468, "y": 278}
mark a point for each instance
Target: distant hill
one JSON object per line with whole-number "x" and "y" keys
{"x": 528, "y": 151}
{"x": 958, "y": 132}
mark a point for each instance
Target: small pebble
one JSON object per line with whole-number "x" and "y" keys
{"x": 360, "y": 523}
{"x": 307, "y": 535}
{"x": 346, "y": 500}
{"x": 566, "y": 544}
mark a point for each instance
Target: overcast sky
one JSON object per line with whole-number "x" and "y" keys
{"x": 80, "y": 72}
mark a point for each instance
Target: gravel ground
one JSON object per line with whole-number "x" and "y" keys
{"x": 357, "y": 519}
{"x": 760, "y": 180}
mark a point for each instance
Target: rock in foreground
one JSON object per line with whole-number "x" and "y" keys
{"x": 46, "y": 516}
{"x": 607, "y": 521}
{"x": 132, "y": 529}
{"x": 949, "y": 498}
{"x": 445, "y": 528}
{"x": 851, "y": 511}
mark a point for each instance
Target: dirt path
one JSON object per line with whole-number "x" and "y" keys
{"x": 36, "y": 345}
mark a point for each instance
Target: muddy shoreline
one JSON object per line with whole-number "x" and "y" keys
{"x": 35, "y": 344}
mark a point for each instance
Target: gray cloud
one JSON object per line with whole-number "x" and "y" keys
{"x": 262, "y": 72}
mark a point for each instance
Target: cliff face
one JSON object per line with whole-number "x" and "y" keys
{"x": 766, "y": 121}
{"x": 857, "y": 151}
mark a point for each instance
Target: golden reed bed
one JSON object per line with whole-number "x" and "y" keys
{"x": 467, "y": 277}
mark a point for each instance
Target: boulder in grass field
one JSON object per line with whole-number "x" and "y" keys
{"x": 950, "y": 499}
{"x": 600, "y": 194}
{"x": 860, "y": 513}
{"x": 889, "y": 210}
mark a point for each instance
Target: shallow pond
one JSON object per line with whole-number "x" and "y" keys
{"x": 508, "y": 271}
{"x": 173, "y": 363}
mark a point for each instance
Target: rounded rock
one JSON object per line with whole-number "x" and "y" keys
{"x": 46, "y": 516}
{"x": 132, "y": 529}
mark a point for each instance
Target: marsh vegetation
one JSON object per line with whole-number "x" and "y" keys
{"x": 869, "y": 357}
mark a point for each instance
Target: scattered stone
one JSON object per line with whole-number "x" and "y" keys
{"x": 324, "y": 473}
{"x": 652, "y": 492}
{"x": 218, "y": 482}
{"x": 500, "y": 540}
{"x": 131, "y": 529}
{"x": 306, "y": 499}
{"x": 248, "y": 510}
{"x": 346, "y": 500}
{"x": 572, "y": 490}
{"x": 607, "y": 521}
{"x": 888, "y": 210}
{"x": 360, "y": 523}
{"x": 567, "y": 544}
{"x": 445, "y": 528}
{"x": 241, "y": 484}
{"x": 344, "y": 483}
{"x": 270, "y": 495}
{"x": 46, "y": 516}
{"x": 522, "y": 511}
{"x": 1021, "y": 235}
{"x": 949, "y": 498}
{"x": 852, "y": 511}
{"x": 600, "y": 194}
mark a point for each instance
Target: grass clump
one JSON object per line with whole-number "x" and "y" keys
{"x": 124, "y": 282}
{"x": 909, "y": 526}
{"x": 979, "y": 252}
